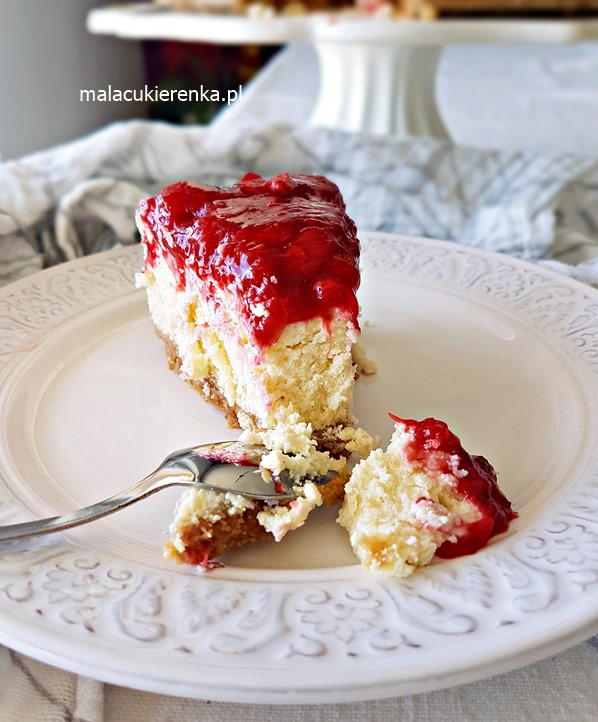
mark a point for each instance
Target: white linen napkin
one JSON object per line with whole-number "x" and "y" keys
{"x": 559, "y": 689}
{"x": 80, "y": 198}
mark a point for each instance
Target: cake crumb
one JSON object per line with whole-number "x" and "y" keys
{"x": 281, "y": 519}
{"x": 364, "y": 365}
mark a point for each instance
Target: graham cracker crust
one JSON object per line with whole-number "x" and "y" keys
{"x": 207, "y": 540}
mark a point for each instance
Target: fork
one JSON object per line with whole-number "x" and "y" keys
{"x": 225, "y": 466}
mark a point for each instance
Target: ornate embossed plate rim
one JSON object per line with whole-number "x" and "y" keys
{"x": 93, "y": 644}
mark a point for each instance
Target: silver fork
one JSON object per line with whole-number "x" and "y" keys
{"x": 222, "y": 466}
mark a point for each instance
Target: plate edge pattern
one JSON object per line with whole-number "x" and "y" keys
{"x": 90, "y": 595}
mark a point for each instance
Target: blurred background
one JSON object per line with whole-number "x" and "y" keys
{"x": 47, "y": 56}
{"x": 540, "y": 97}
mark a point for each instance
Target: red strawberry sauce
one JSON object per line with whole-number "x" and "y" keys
{"x": 436, "y": 449}
{"x": 283, "y": 246}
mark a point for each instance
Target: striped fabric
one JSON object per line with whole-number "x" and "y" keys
{"x": 80, "y": 198}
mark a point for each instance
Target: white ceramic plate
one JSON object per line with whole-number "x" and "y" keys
{"x": 505, "y": 352}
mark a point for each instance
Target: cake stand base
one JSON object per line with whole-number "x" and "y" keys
{"x": 381, "y": 88}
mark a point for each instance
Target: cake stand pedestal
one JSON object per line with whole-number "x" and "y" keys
{"x": 376, "y": 76}
{"x": 381, "y": 88}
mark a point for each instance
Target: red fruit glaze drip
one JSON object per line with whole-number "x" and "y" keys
{"x": 199, "y": 556}
{"x": 283, "y": 245}
{"x": 435, "y": 448}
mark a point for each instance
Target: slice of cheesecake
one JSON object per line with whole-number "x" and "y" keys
{"x": 253, "y": 290}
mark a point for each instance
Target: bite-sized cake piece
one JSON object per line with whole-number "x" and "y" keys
{"x": 207, "y": 523}
{"x": 253, "y": 289}
{"x": 424, "y": 495}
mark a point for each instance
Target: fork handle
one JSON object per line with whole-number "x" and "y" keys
{"x": 156, "y": 481}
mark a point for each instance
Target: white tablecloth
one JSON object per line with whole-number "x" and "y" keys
{"x": 80, "y": 198}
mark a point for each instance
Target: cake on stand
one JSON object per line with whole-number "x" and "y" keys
{"x": 376, "y": 75}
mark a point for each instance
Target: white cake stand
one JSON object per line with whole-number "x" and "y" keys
{"x": 376, "y": 75}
